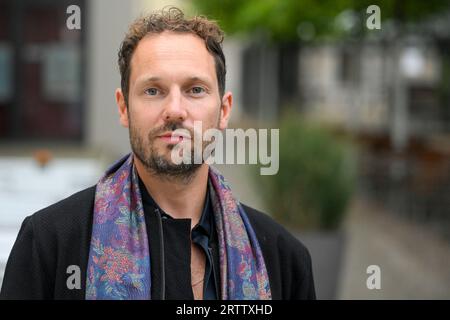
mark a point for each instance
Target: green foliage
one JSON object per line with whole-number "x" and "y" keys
{"x": 315, "y": 180}
{"x": 281, "y": 19}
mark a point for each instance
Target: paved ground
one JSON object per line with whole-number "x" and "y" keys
{"x": 414, "y": 261}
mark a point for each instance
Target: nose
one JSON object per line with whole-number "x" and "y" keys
{"x": 174, "y": 109}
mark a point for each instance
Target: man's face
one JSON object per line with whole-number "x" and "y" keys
{"x": 172, "y": 84}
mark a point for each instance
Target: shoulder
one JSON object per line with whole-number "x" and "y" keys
{"x": 65, "y": 214}
{"x": 49, "y": 241}
{"x": 63, "y": 227}
{"x": 287, "y": 259}
{"x": 269, "y": 231}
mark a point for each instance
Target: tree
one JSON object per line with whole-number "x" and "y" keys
{"x": 284, "y": 20}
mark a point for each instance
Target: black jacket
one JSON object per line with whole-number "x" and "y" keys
{"x": 59, "y": 236}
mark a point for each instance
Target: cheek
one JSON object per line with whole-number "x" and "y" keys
{"x": 138, "y": 131}
{"x": 211, "y": 117}
{"x": 141, "y": 119}
{"x": 210, "y": 120}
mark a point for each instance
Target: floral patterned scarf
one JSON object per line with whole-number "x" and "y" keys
{"x": 119, "y": 257}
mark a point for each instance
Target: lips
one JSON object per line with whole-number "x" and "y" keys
{"x": 173, "y": 137}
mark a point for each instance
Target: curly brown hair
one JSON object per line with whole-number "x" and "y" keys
{"x": 172, "y": 19}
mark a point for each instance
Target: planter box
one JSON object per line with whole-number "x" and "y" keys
{"x": 327, "y": 249}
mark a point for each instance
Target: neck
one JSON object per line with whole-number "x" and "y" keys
{"x": 178, "y": 199}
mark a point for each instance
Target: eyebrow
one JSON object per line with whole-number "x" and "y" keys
{"x": 192, "y": 79}
{"x": 201, "y": 79}
{"x": 150, "y": 79}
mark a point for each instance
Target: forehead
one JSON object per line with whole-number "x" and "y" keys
{"x": 170, "y": 54}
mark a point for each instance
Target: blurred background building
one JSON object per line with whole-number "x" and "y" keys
{"x": 365, "y": 155}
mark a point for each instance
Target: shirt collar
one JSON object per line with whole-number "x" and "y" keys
{"x": 206, "y": 219}
{"x": 205, "y": 222}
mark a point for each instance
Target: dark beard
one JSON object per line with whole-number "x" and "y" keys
{"x": 158, "y": 164}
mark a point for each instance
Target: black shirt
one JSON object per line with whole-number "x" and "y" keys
{"x": 203, "y": 234}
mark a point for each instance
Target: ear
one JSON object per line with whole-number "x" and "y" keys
{"x": 122, "y": 107}
{"x": 225, "y": 110}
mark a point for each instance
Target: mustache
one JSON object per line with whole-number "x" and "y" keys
{"x": 169, "y": 126}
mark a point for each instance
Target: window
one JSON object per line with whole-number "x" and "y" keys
{"x": 41, "y": 72}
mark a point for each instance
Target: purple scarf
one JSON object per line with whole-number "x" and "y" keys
{"x": 119, "y": 258}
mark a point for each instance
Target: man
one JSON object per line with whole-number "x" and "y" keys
{"x": 151, "y": 228}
